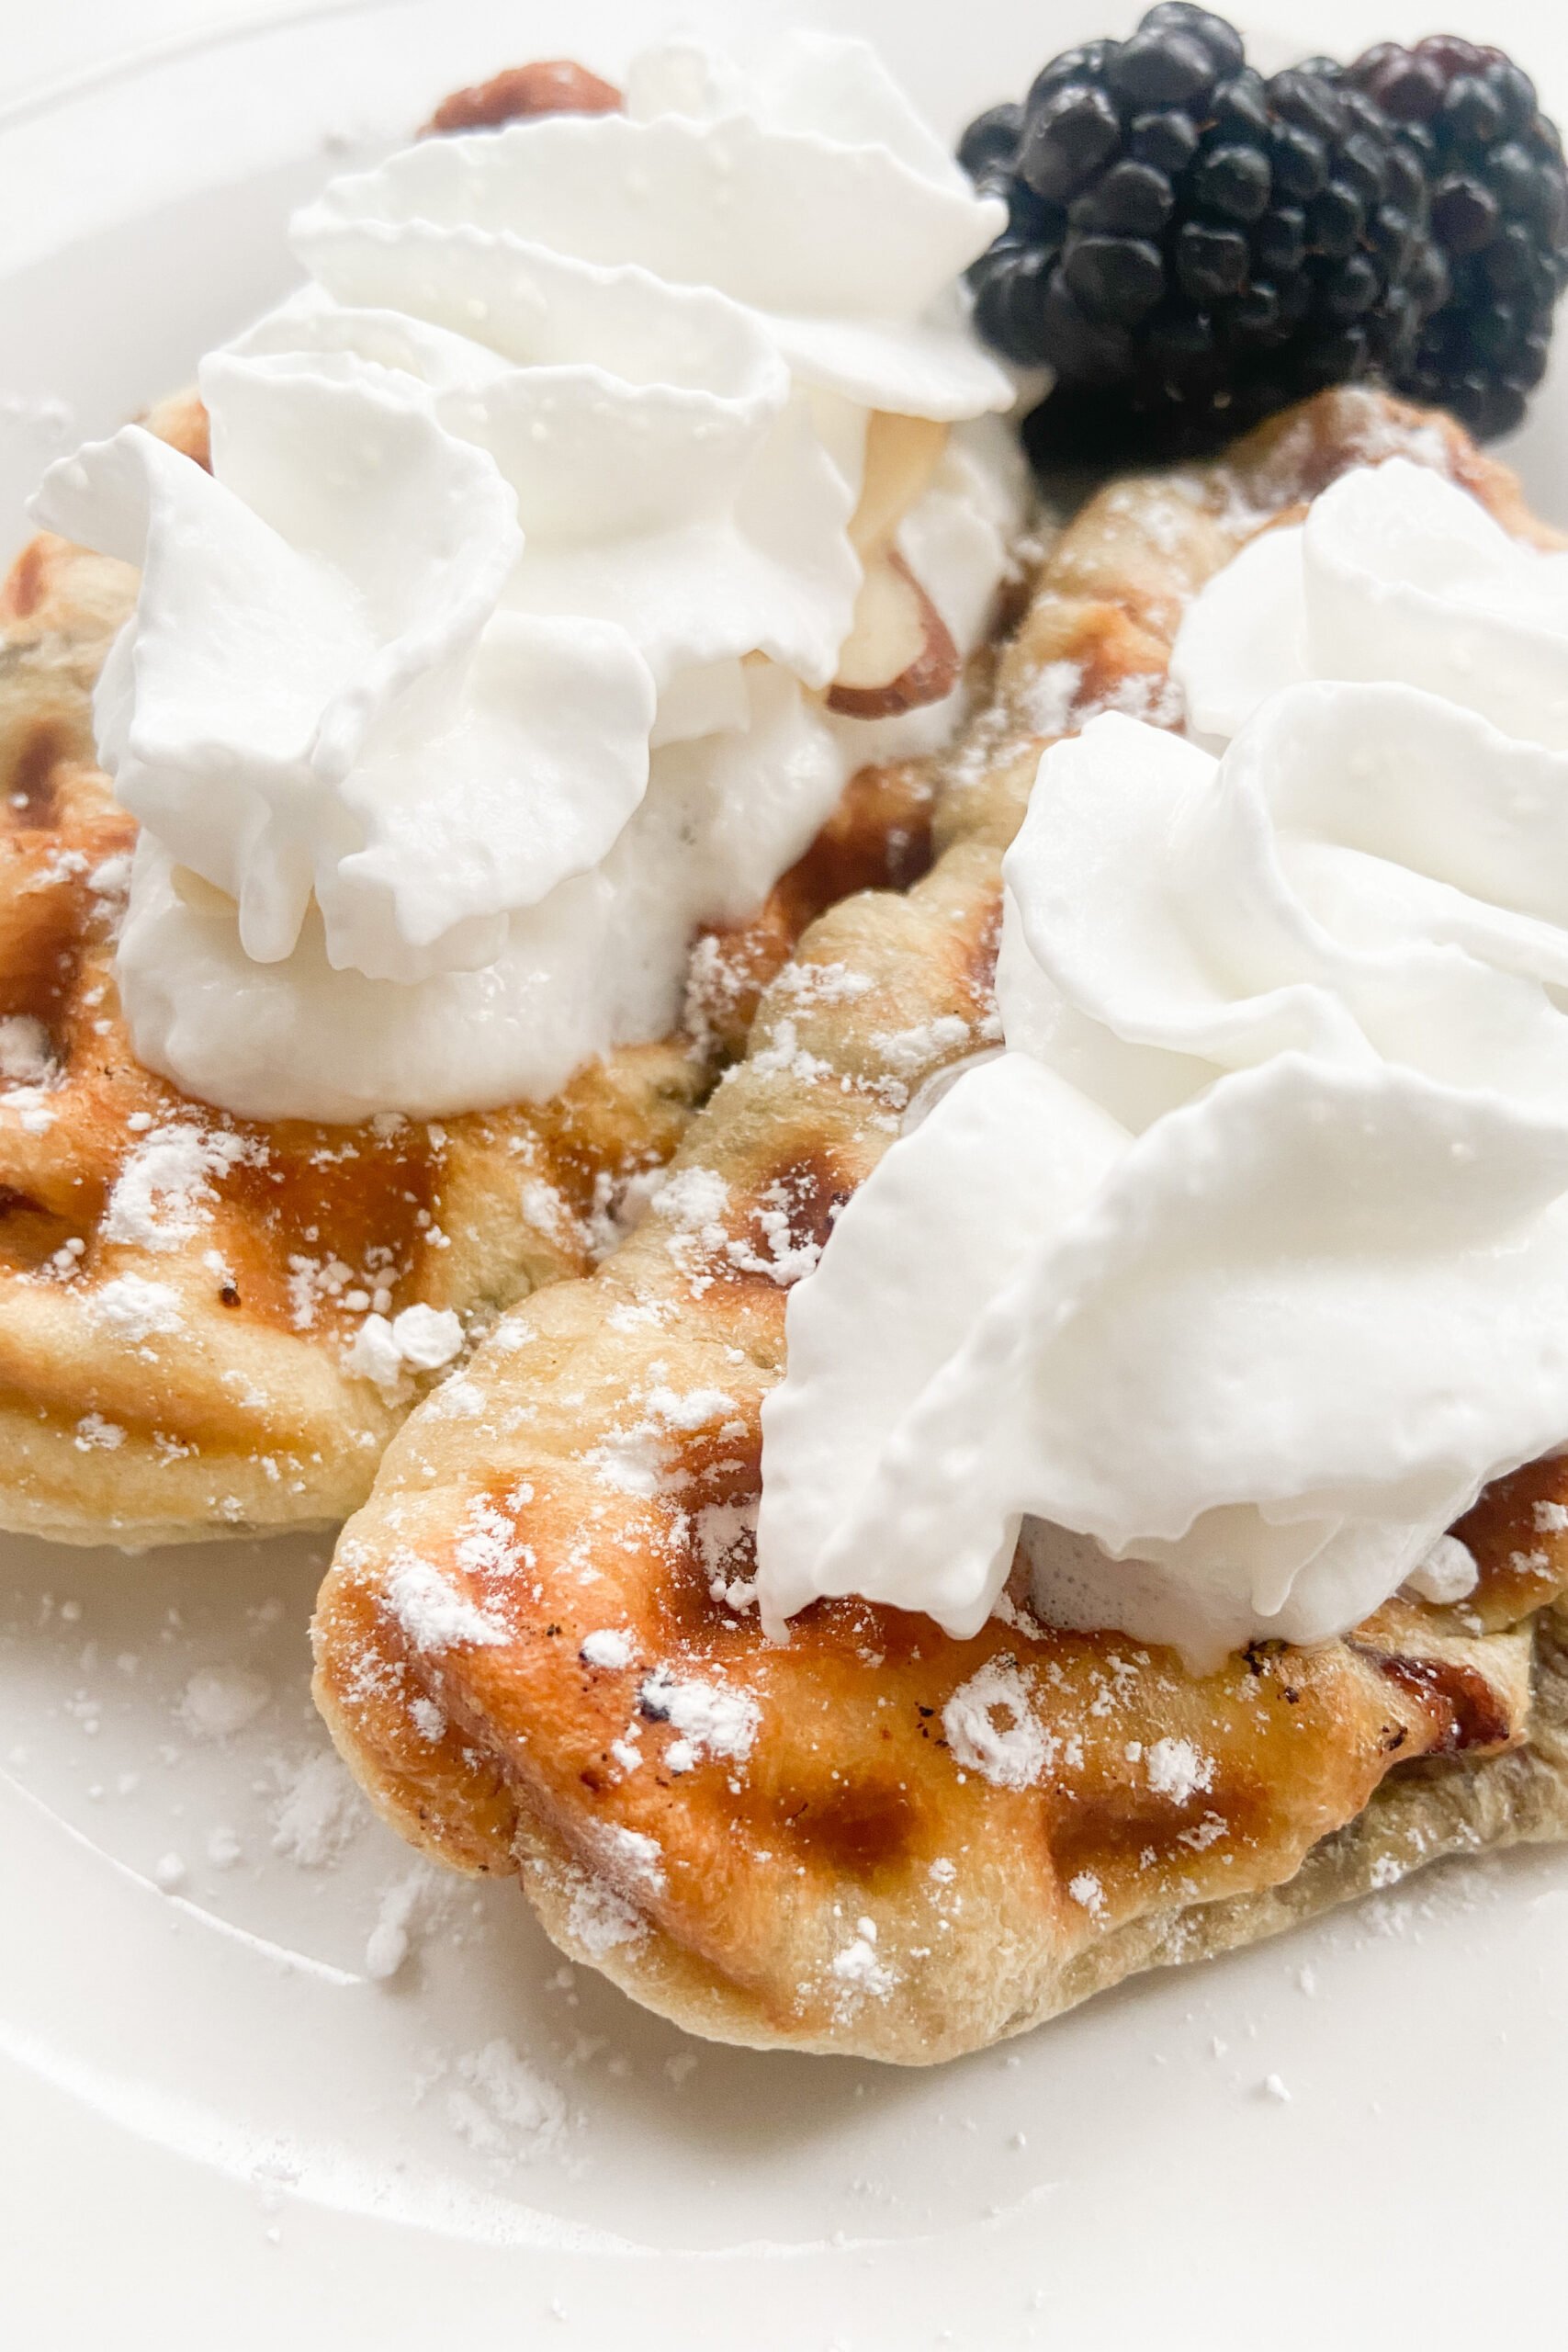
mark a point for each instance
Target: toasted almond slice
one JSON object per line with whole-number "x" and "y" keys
{"x": 901, "y": 455}
{"x": 204, "y": 897}
{"x": 900, "y": 654}
{"x": 523, "y": 92}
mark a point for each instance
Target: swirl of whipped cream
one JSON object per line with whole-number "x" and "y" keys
{"x": 316, "y": 697}
{"x": 485, "y": 665}
{"x": 1240, "y": 1272}
{"x": 808, "y": 192}
{"x": 1394, "y": 574}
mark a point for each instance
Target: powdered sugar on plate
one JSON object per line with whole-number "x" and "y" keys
{"x": 504, "y": 2106}
{"x": 219, "y": 1701}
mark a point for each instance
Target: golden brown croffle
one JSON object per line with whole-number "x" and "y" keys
{"x": 538, "y": 1648}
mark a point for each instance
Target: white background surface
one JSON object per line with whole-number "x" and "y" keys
{"x": 45, "y": 42}
{"x": 215, "y": 2125}
{"x": 50, "y": 41}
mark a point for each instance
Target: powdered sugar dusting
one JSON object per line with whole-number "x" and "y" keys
{"x": 633, "y": 1861}
{"x": 1449, "y": 1571}
{"x": 165, "y": 1190}
{"x": 134, "y": 1308}
{"x": 908, "y": 1052}
{"x": 600, "y": 1919}
{"x": 386, "y": 1948}
{"x": 857, "y": 1966}
{"x": 712, "y": 1718}
{"x": 318, "y": 1810}
{"x": 635, "y": 1459}
{"x": 693, "y": 1203}
{"x": 1046, "y": 702}
{"x": 783, "y": 1056}
{"x": 1011, "y": 1754}
{"x": 95, "y": 1434}
{"x": 822, "y": 984}
{"x": 25, "y": 1056}
{"x": 218, "y": 1702}
{"x": 431, "y": 1611}
{"x": 609, "y": 1649}
{"x": 422, "y": 1339}
{"x": 503, "y": 2107}
{"x": 1178, "y": 1770}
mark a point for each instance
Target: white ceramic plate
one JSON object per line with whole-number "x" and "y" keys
{"x": 262, "y": 2072}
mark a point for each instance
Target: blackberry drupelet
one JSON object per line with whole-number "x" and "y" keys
{"x": 1189, "y": 247}
{"x": 1499, "y": 209}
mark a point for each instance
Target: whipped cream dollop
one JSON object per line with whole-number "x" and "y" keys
{"x": 1394, "y": 574}
{"x": 490, "y": 660}
{"x": 1244, "y": 1268}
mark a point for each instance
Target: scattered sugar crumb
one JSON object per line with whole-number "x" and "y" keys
{"x": 784, "y": 1056}
{"x": 428, "y": 1719}
{"x": 821, "y": 984}
{"x": 33, "y": 1108}
{"x": 1178, "y": 1770}
{"x": 635, "y": 1458}
{"x": 94, "y": 1432}
{"x": 134, "y": 1308}
{"x": 503, "y": 2107}
{"x": 858, "y": 1967}
{"x": 387, "y": 1945}
{"x": 219, "y": 1701}
{"x": 1011, "y": 1753}
{"x": 610, "y": 1648}
{"x": 1047, "y": 702}
{"x": 600, "y": 1919}
{"x": 1446, "y": 1575}
{"x": 908, "y": 1052}
{"x": 711, "y": 1718}
{"x": 634, "y": 1858}
{"x": 430, "y": 1609}
{"x": 784, "y": 1256}
{"x": 319, "y": 1809}
{"x": 164, "y": 1189}
{"x": 26, "y": 1059}
{"x": 422, "y": 1339}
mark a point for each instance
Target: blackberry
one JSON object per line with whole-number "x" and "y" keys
{"x": 1190, "y": 246}
{"x": 1499, "y": 208}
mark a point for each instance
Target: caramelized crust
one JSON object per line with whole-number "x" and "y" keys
{"x": 219, "y": 1399}
{"x": 537, "y": 1646}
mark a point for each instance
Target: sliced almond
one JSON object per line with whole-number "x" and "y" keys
{"x": 202, "y": 897}
{"x": 899, "y": 655}
{"x": 522, "y": 94}
{"x": 901, "y": 455}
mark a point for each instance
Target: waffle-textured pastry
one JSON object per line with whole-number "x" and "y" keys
{"x": 538, "y": 1647}
{"x": 178, "y": 1289}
